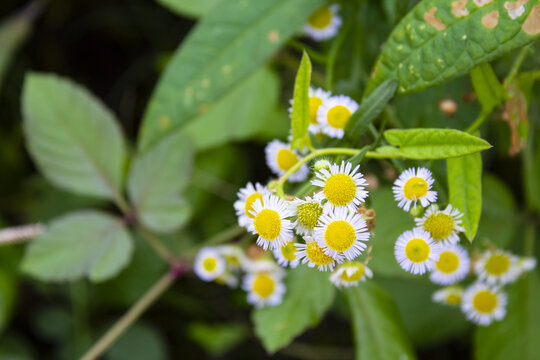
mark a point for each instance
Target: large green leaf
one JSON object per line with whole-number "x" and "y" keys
{"x": 431, "y": 144}
{"x": 230, "y": 42}
{"x": 238, "y": 115}
{"x": 516, "y": 337}
{"x": 73, "y": 138}
{"x": 156, "y": 180}
{"x": 300, "y": 112}
{"x": 379, "y": 333}
{"x": 193, "y": 8}
{"x": 84, "y": 243}
{"x": 309, "y": 294}
{"x": 465, "y": 190}
{"x": 442, "y": 39}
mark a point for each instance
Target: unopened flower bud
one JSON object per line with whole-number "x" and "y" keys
{"x": 417, "y": 211}
{"x": 321, "y": 164}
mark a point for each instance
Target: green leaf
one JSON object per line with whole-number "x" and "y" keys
{"x": 309, "y": 295}
{"x": 233, "y": 40}
{"x": 532, "y": 168}
{"x": 238, "y": 114}
{"x": 516, "y": 337}
{"x": 370, "y": 108}
{"x": 84, "y": 243}
{"x": 465, "y": 190}
{"x": 488, "y": 89}
{"x": 379, "y": 333}
{"x": 300, "y": 110}
{"x": 8, "y": 292}
{"x": 73, "y": 138}
{"x": 217, "y": 339}
{"x": 139, "y": 342}
{"x": 359, "y": 157}
{"x": 191, "y": 8}
{"x": 438, "y": 41}
{"x": 426, "y": 144}
{"x": 156, "y": 180}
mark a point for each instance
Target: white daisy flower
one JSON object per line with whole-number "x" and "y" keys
{"x": 234, "y": 256}
{"x": 264, "y": 288}
{"x": 453, "y": 265}
{"x": 414, "y": 185}
{"x": 416, "y": 252}
{"x": 526, "y": 264}
{"x": 342, "y": 187}
{"x": 334, "y": 114}
{"x": 483, "y": 304}
{"x": 270, "y": 222}
{"x": 280, "y": 158}
{"x": 313, "y": 255}
{"x": 286, "y": 255}
{"x": 324, "y": 23}
{"x": 262, "y": 265}
{"x": 307, "y": 213}
{"x": 497, "y": 267}
{"x": 316, "y": 98}
{"x": 341, "y": 232}
{"x": 209, "y": 265}
{"x": 350, "y": 274}
{"x": 450, "y": 296}
{"x": 443, "y": 226}
{"x": 246, "y": 198}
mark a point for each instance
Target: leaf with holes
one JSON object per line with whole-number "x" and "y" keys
{"x": 442, "y": 39}
{"x": 300, "y": 110}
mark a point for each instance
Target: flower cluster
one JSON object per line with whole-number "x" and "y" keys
{"x": 432, "y": 246}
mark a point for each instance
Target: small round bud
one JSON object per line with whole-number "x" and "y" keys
{"x": 448, "y": 106}
{"x": 272, "y": 185}
{"x": 321, "y": 164}
{"x": 417, "y": 211}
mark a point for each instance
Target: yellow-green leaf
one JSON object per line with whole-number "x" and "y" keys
{"x": 300, "y": 108}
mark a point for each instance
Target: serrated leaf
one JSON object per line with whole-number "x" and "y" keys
{"x": 234, "y": 39}
{"x": 487, "y": 87}
{"x": 309, "y": 295}
{"x": 156, "y": 180}
{"x": 191, "y": 8}
{"x": 442, "y": 39}
{"x": 516, "y": 336}
{"x": 73, "y": 138}
{"x": 378, "y": 331}
{"x": 465, "y": 190}
{"x": 300, "y": 110}
{"x": 84, "y": 243}
{"x": 370, "y": 108}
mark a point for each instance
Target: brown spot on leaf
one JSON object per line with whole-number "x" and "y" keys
{"x": 531, "y": 26}
{"x": 491, "y": 19}
{"x": 459, "y": 8}
{"x": 434, "y": 21}
{"x": 273, "y": 36}
{"x": 515, "y": 9}
{"x": 481, "y": 3}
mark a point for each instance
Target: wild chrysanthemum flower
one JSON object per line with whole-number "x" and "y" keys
{"x": 416, "y": 252}
{"x": 414, "y": 185}
{"x": 280, "y": 158}
{"x": 334, "y": 114}
{"x": 451, "y": 295}
{"x": 452, "y": 266}
{"x": 246, "y": 198}
{"x": 313, "y": 255}
{"x": 324, "y": 23}
{"x": 497, "y": 267}
{"x": 286, "y": 254}
{"x": 265, "y": 288}
{"x": 350, "y": 274}
{"x": 483, "y": 304}
{"x": 526, "y": 264}
{"x": 316, "y": 97}
{"x": 270, "y": 222}
{"x": 307, "y": 214}
{"x": 234, "y": 256}
{"x": 443, "y": 226}
{"x": 342, "y": 186}
{"x": 209, "y": 265}
{"x": 341, "y": 232}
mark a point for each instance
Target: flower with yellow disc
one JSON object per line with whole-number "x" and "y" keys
{"x": 497, "y": 267}
{"x": 414, "y": 185}
{"x": 416, "y": 252}
{"x": 313, "y": 255}
{"x": 209, "y": 265}
{"x": 334, "y": 114}
{"x": 264, "y": 284}
{"x": 324, "y": 23}
{"x": 280, "y": 158}
{"x": 350, "y": 274}
{"x": 286, "y": 255}
{"x": 443, "y": 226}
{"x": 453, "y": 265}
{"x": 450, "y": 295}
{"x": 244, "y": 204}
{"x": 483, "y": 304}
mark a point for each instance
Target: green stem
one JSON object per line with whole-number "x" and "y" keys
{"x": 528, "y": 246}
{"x": 516, "y": 65}
{"x": 157, "y": 245}
{"x": 313, "y": 54}
{"x": 478, "y": 122}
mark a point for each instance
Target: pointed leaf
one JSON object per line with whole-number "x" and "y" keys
{"x": 487, "y": 87}
{"x": 300, "y": 112}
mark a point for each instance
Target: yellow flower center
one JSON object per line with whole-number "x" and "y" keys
{"x": 250, "y": 201}
{"x": 355, "y": 276}
{"x": 417, "y": 250}
{"x": 497, "y": 264}
{"x": 267, "y": 224}
{"x": 415, "y": 188}
{"x": 485, "y": 301}
{"x": 263, "y": 285}
{"x": 286, "y": 159}
{"x": 209, "y": 264}
{"x": 321, "y": 18}
{"x": 340, "y": 189}
{"x": 453, "y": 299}
{"x": 288, "y": 251}
{"x": 439, "y": 225}
{"x": 339, "y": 235}
{"x": 338, "y": 116}
{"x": 448, "y": 262}
{"x": 308, "y": 214}
{"x": 316, "y": 255}
{"x": 314, "y": 103}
